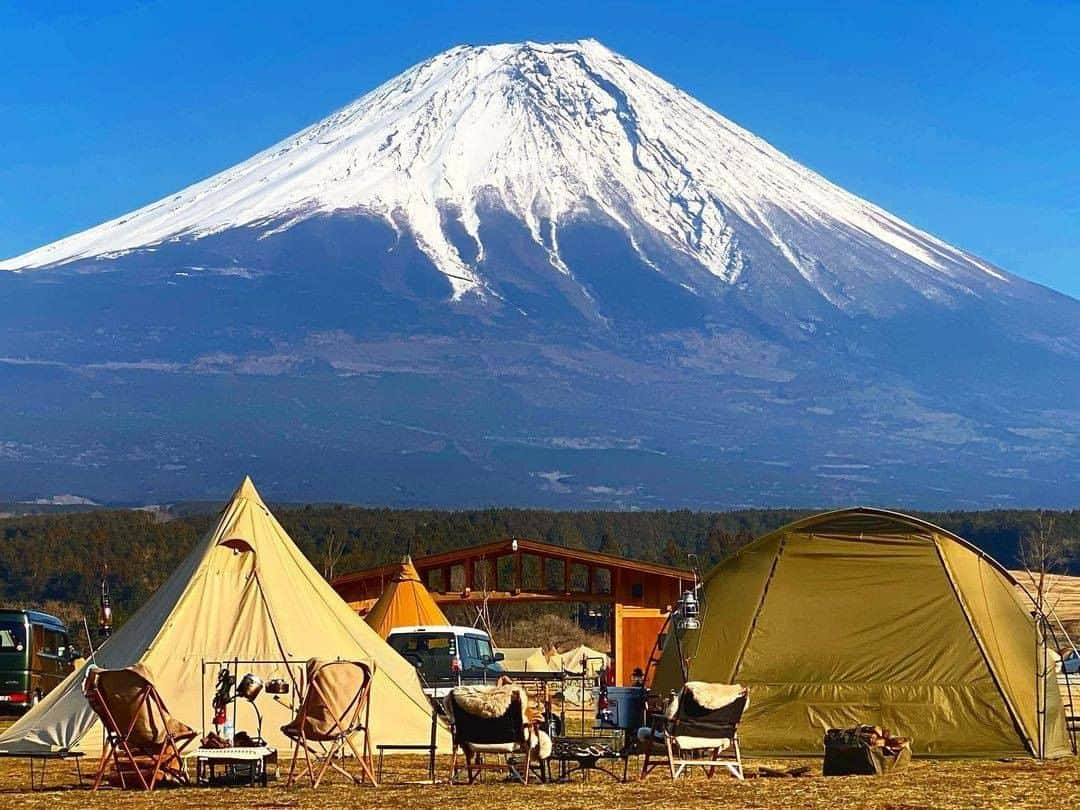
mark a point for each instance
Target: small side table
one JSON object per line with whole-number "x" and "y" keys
{"x": 257, "y": 760}
{"x": 585, "y": 754}
{"x": 37, "y": 775}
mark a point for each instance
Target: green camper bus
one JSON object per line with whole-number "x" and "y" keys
{"x": 34, "y": 656}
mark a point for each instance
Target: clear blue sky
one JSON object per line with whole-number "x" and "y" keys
{"x": 963, "y": 118}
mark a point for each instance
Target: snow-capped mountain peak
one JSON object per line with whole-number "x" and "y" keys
{"x": 550, "y": 132}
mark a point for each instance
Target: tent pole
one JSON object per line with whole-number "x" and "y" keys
{"x": 684, "y": 665}
{"x": 1053, "y": 638}
{"x": 1045, "y": 673}
{"x": 1038, "y": 685}
{"x": 1041, "y": 669}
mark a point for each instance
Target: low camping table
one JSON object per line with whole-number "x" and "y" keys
{"x": 37, "y": 776}
{"x": 257, "y": 760}
{"x": 585, "y": 754}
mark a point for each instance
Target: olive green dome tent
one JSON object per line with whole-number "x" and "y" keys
{"x": 868, "y": 616}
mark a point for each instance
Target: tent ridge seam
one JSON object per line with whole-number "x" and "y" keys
{"x": 757, "y": 611}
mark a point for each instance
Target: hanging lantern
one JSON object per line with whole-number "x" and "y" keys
{"x": 105, "y": 616}
{"x": 689, "y": 608}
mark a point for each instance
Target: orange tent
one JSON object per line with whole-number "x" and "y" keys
{"x": 404, "y": 603}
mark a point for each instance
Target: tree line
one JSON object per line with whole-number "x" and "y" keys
{"x": 56, "y": 562}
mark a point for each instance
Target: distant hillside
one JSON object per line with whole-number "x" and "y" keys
{"x": 56, "y": 560}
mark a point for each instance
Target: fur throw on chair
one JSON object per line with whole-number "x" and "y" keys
{"x": 707, "y": 695}
{"x": 540, "y": 742}
{"x": 714, "y": 695}
{"x": 488, "y": 702}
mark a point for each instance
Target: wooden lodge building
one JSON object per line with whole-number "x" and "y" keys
{"x": 637, "y": 594}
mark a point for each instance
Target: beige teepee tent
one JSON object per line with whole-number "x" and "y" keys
{"x": 527, "y": 659}
{"x": 583, "y": 660}
{"x": 244, "y": 592}
{"x": 404, "y": 603}
{"x": 869, "y": 616}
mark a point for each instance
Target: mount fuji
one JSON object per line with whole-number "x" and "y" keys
{"x": 533, "y": 274}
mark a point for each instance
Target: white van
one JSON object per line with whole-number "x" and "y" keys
{"x": 448, "y": 654}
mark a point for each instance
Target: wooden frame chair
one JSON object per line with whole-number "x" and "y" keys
{"x": 692, "y": 734}
{"x": 137, "y": 723}
{"x": 504, "y": 736}
{"x": 335, "y": 708}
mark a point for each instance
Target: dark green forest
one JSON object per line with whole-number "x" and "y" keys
{"x": 56, "y": 561}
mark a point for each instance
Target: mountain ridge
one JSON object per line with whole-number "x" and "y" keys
{"x": 561, "y": 282}
{"x": 535, "y": 116}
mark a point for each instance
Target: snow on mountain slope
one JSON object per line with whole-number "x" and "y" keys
{"x": 552, "y": 131}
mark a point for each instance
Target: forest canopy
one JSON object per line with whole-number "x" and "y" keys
{"x": 55, "y": 562}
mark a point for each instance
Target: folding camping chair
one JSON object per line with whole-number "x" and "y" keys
{"x": 492, "y": 720}
{"x": 699, "y": 728}
{"x": 335, "y": 708}
{"x": 137, "y": 723}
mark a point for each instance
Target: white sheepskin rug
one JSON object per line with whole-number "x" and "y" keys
{"x": 488, "y": 702}
{"x": 540, "y": 742}
{"x": 714, "y": 695}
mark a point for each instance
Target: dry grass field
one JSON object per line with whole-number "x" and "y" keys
{"x": 925, "y": 784}
{"x": 938, "y": 784}
{"x": 1062, "y": 596}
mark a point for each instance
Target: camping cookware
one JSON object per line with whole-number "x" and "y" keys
{"x": 250, "y": 687}
{"x": 277, "y": 686}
